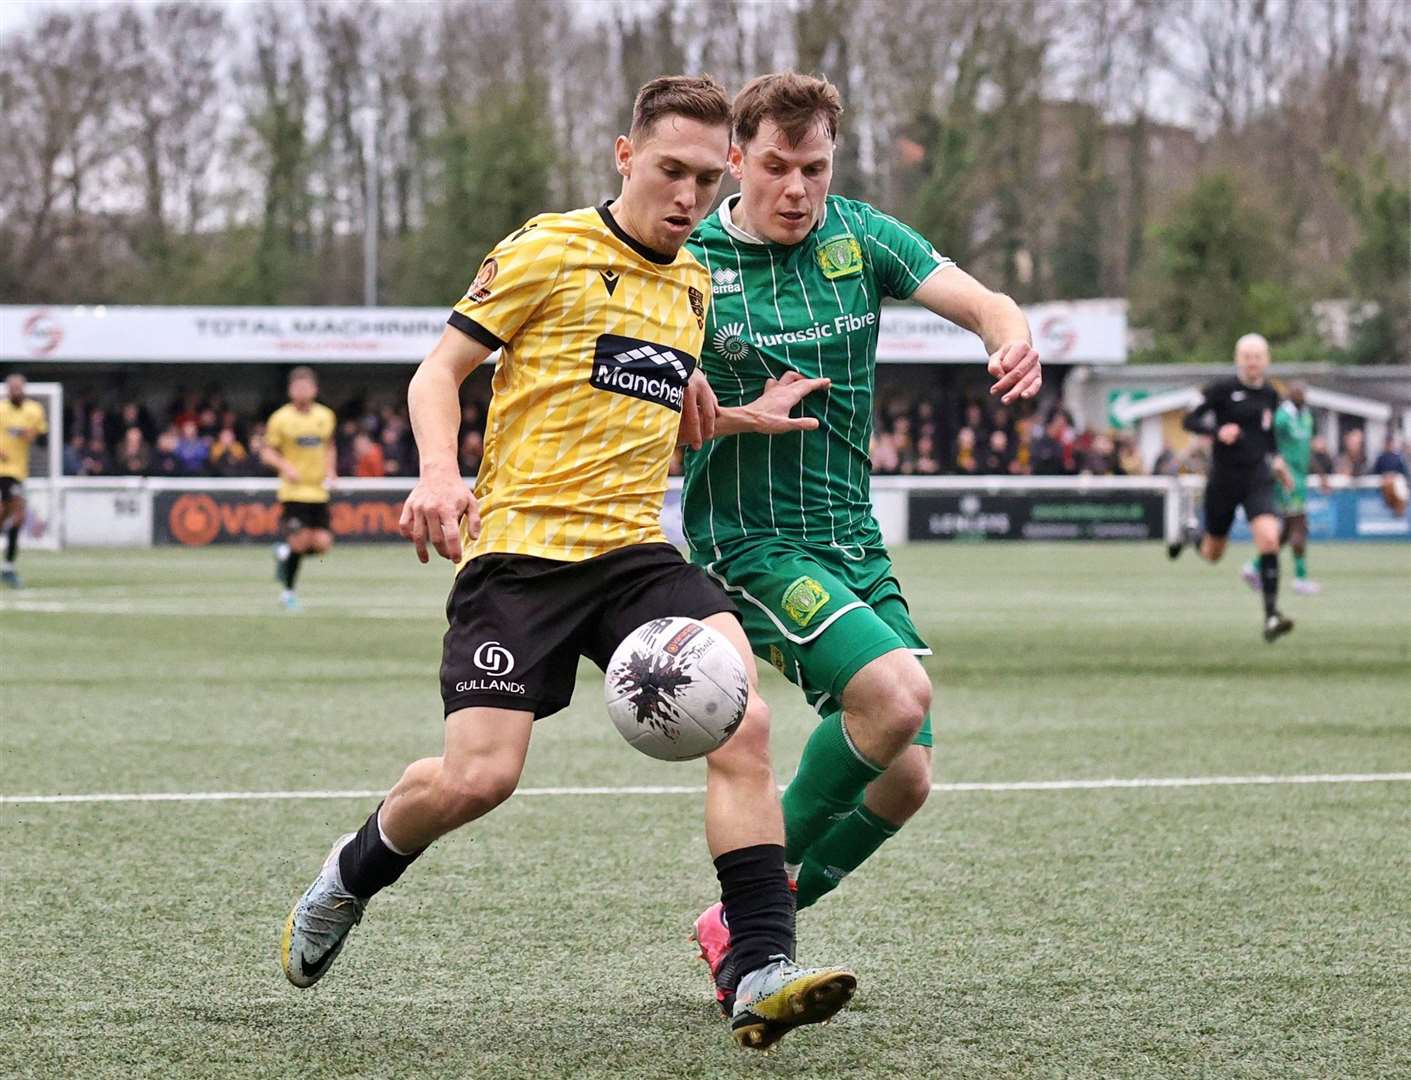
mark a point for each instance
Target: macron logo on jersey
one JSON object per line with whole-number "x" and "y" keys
{"x": 725, "y": 280}
{"x": 642, "y": 370}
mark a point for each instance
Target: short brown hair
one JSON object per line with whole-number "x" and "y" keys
{"x": 303, "y": 372}
{"x": 795, "y": 102}
{"x": 696, "y": 97}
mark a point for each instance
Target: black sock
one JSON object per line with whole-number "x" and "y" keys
{"x": 367, "y": 865}
{"x": 1269, "y": 578}
{"x": 291, "y": 569}
{"x": 12, "y": 542}
{"x": 759, "y": 908}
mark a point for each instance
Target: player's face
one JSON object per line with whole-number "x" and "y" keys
{"x": 1298, "y": 393}
{"x": 302, "y": 391}
{"x": 783, "y": 186}
{"x": 15, "y": 386}
{"x": 1252, "y": 361}
{"x": 670, "y": 178}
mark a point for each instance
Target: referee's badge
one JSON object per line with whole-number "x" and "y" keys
{"x": 840, "y": 257}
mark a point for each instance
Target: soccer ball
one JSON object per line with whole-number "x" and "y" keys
{"x": 676, "y": 689}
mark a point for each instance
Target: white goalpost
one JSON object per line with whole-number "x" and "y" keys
{"x": 43, "y": 527}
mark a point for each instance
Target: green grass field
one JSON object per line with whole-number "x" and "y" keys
{"x": 1221, "y": 931}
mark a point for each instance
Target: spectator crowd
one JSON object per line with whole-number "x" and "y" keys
{"x": 200, "y": 434}
{"x": 912, "y": 438}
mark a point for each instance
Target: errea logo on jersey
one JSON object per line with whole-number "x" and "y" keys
{"x": 641, "y": 369}
{"x": 725, "y": 280}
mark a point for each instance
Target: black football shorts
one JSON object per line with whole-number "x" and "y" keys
{"x": 1227, "y": 489}
{"x": 294, "y": 516}
{"x": 518, "y": 624}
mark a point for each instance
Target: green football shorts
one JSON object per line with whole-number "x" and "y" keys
{"x": 817, "y": 615}
{"x": 1292, "y": 502}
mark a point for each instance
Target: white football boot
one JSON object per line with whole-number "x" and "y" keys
{"x": 318, "y": 926}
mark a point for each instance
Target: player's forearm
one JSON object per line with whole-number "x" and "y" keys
{"x": 1001, "y": 322}
{"x": 433, "y": 401}
{"x": 272, "y": 459}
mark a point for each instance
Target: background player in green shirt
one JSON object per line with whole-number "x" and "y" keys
{"x": 785, "y": 522}
{"x": 1293, "y": 435}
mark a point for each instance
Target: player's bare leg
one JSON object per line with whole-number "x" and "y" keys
{"x": 745, "y": 833}
{"x": 1296, "y": 536}
{"x": 290, "y": 553}
{"x": 884, "y": 705}
{"x": 478, "y": 769}
{"x": 11, "y": 518}
{"x": 833, "y": 827}
{"x": 1265, "y": 528}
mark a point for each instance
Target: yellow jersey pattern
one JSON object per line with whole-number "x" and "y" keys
{"x": 303, "y": 439}
{"x": 599, "y": 336}
{"x": 20, "y": 425}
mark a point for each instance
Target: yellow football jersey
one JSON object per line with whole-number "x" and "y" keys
{"x": 599, "y": 336}
{"x": 20, "y": 425}
{"x": 303, "y": 439}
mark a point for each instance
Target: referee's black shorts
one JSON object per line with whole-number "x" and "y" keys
{"x": 1228, "y": 489}
{"x": 518, "y": 623}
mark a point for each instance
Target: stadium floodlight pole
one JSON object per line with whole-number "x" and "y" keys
{"x": 370, "y": 201}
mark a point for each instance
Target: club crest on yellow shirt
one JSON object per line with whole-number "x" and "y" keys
{"x": 840, "y": 257}
{"x": 697, "y": 305}
{"x": 480, "y": 288}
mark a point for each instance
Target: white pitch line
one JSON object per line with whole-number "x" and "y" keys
{"x": 1018, "y": 785}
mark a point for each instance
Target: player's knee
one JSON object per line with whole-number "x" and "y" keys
{"x": 748, "y": 748}
{"x": 907, "y": 703}
{"x": 473, "y": 793}
{"x": 321, "y": 543}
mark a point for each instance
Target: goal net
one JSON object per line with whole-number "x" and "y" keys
{"x": 43, "y": 524}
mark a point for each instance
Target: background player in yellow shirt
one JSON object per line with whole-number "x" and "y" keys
{"x": 22, "y": 422}
{"x": 599, "y": 315}
{"x": 299, "y": 446}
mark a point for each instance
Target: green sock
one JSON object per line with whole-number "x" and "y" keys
{"x": 829, "y": 783}
{"x": 1300, "y": 568}
{"x": 840, "y": 851}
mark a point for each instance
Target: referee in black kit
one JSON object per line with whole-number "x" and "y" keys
{"x": 1239, "y": 412}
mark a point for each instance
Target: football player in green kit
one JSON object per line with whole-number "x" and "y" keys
{"x": 1293, "y": 435}
{"x": 785, "y": 523}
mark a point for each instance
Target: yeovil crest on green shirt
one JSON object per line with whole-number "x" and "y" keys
{"x": 840, "y": 257}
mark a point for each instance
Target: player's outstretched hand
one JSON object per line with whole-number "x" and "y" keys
{"x": 698, "y": 412}
{"x": 433, "y": 512}
{"x": 1016, "y": 370}
{"x": 1229, "y": 434}
{"x": 770, "y": 411}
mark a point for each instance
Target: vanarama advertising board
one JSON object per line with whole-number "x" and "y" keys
{"x": 198, "y": 518}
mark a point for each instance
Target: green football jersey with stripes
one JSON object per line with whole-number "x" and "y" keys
{"x": 813, "y": 307}
{"x": 1293, "y": 434}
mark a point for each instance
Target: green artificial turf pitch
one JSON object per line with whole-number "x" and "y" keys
{"x": 1222, "y": 931}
